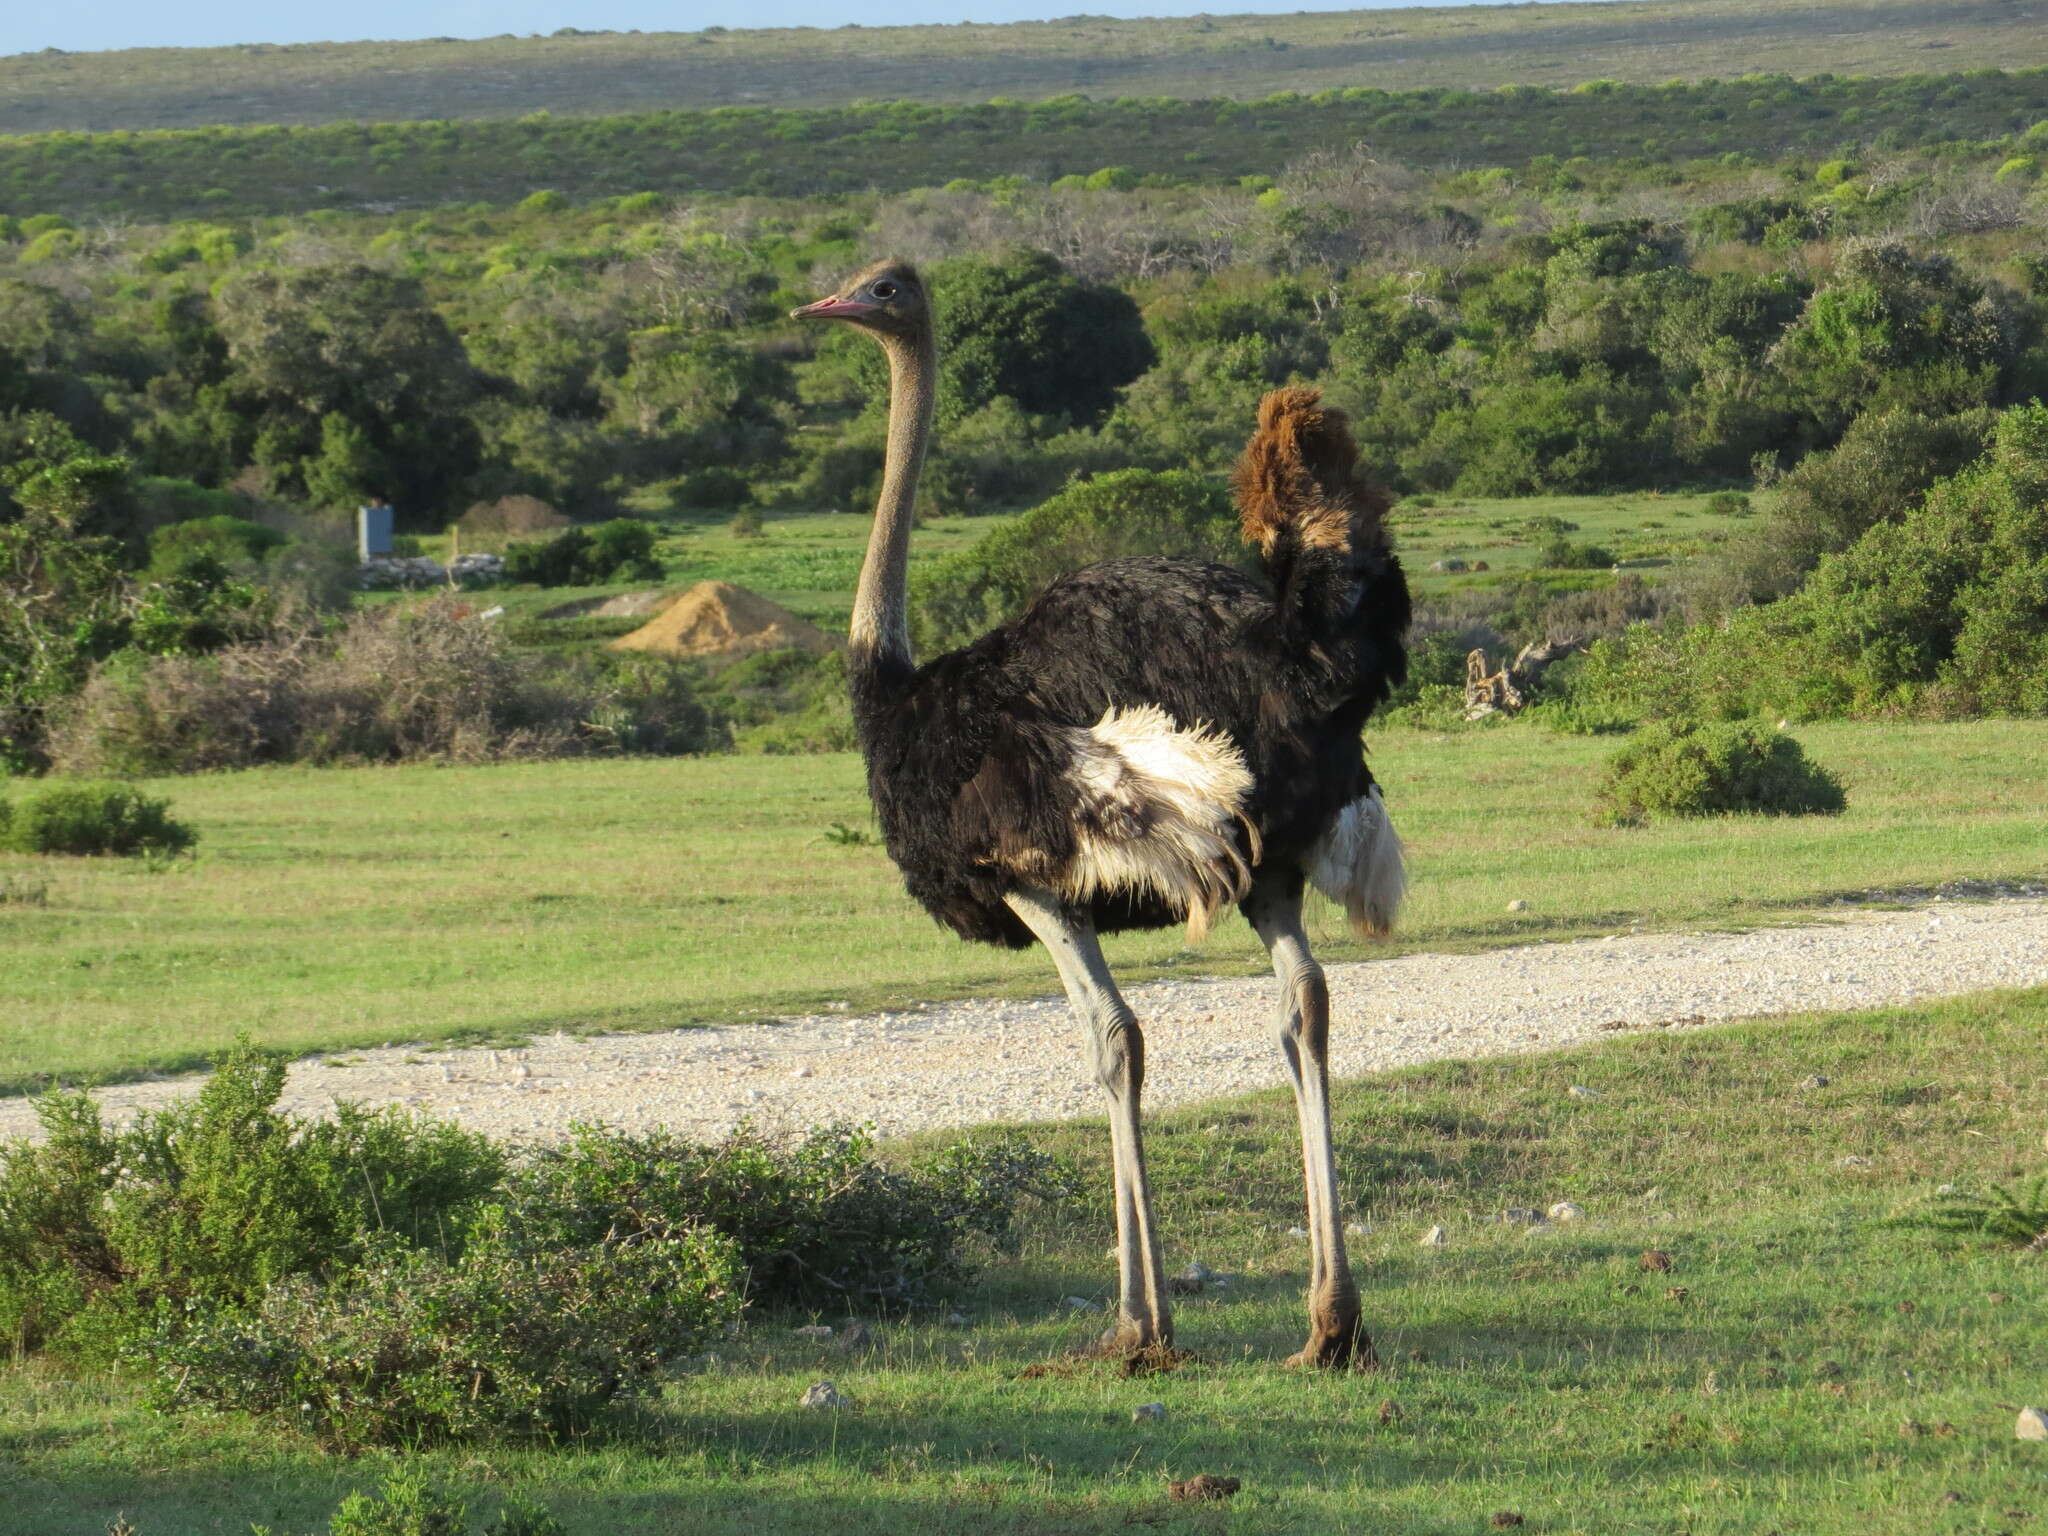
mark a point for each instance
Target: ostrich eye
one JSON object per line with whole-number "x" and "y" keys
{"x": 884, "y": 290}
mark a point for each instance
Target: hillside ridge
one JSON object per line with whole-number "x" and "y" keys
{"x": 590, "y": 73}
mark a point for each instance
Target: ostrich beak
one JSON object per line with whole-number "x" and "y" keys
{"x": 834, "y": 309}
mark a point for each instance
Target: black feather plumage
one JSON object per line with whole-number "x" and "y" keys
{"x": 968, "y": 754}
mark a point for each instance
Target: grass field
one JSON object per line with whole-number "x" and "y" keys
{"x": 1802, "y": 1368}
{"x": 339, "y": 908}
{"x": 1205, "y": 56}
{"x": 809, "y": 561}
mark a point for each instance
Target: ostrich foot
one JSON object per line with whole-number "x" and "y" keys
{"x": 1336, "y": 1341}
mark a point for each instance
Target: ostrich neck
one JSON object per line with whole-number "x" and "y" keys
{"x": 880, "y": 632}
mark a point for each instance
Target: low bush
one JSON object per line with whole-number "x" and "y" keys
{"x": 82, "y": 819}
{"x": 818, "y": 1223}
{"x": 210, "y": 1201}
{"x": 408, "y": 1347}
{"x": 1680, "y": 768}
{"x": 1561, "y": 554}
{"x": 401, "y": 683}
{"x": 622, "y": 549}
{"x": 1728, "y": 504}
{"x": 227, "y": 539}
{"x": 408, "y": 1505}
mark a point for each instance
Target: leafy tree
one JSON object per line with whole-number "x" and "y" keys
{"x": 1891, "y": 327}
{"x": 347, "y": 373}
{"x": 1021, "y": 326}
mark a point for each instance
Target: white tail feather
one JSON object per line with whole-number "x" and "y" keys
{"x": 1358, "y": 862}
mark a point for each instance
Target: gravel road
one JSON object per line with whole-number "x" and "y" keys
{"x": 963, "y": 1063}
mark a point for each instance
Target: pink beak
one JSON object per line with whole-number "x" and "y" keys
{"x": 833, "y": 309}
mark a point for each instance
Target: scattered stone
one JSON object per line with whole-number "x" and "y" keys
{"x": 1655, "y": 1261}
{"x": 1202, "y": 1486}
{"x": 1567, "y": 1210}
{"x": 1520, "y": 1216}
{"x": 1518, "y": 905}
{"x": 1852, "y": 1161}
{"x": 1813, "y": 1082}
{"x": 384, "y": 572}
{"x": 814, "y": 1331}
{"x": 1435, "y": 1237}
{"x": 1148, "y": 1411}
{"x": 957, "y": 1320}
{"x": 1944, "y": 1189}
{"x": 823, "y": 1395}
{"x": 1297, "y": 1231}
{"x": 1504, "y": 1518}
{"x": 1198, "y": 1272}
{"x": 804, "y": 1071}
{"x": 2032, "y": 1425}
{"x": 1081, "y": 1304}
{"x": 855, "y": 1336}
{"x": 1357, "y": 1229}
{"x": 1581, "y": 1091}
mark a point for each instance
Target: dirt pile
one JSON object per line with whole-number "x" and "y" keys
{"x": 716, "y": 618}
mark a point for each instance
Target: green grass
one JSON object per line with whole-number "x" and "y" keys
{"x": 1237, "y": 56}
{"x": 1821, "y": 1373}
{"x": 346, "y": 907}
{"x": 1647, "y": 531}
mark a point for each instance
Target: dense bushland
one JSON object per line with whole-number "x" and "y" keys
{"x": 185, "y": 409}
{"x": 771, "y": 151}
{"x": 1940, "y": 611}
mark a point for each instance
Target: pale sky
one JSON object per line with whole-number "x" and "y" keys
{"x": 91, "y": 25}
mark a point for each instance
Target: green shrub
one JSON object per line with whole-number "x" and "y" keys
{"x": 1126, "y": 512}
{"x": 1728, "y": 504}
{"x": 819, "y": 1222}
{"x": 91, "y": 818}
{"x": 408, "y": 1347}
{"x": 227, "y": 539}
{"x": 1561, "y": 554}
{"x": 620, "y": 549}
{"x": 408, "y": 1505}
{"x": 212, "y": 1199}
{"x": 1679, "y": 768}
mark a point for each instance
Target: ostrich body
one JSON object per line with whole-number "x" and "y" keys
{"x": 1149, "y": 740}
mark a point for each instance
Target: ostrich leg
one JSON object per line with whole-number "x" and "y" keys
{"x": 1335, "y": 1337}
{"x": 1117, "y": 1051}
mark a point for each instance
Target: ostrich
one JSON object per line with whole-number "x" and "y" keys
{"x": 1149, "y": 740}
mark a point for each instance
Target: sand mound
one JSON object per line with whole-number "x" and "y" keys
{"x": 625, "y": 605}
{"x": 716, "y": 618}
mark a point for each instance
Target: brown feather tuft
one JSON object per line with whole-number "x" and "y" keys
{"x": 1299, "y": 472}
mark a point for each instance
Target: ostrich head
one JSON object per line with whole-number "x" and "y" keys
{"x": 886, "y": 299}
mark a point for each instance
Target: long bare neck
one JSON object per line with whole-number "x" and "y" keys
{"x": 880, "y": 632}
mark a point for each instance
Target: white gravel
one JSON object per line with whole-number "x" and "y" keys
{"x": 964, "y": 1063}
